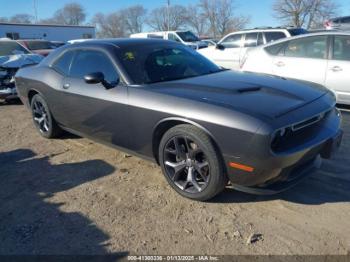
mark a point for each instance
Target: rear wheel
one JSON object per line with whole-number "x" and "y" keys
{"x": 191, "y": 163}
{"x": 42, "y": 117}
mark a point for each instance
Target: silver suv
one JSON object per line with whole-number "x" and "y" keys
{"x": 339, "y": 23}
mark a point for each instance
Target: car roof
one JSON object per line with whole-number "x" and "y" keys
{"x": 262, "y": 29}
{"x": 105, "y": 43}
{"x": 265, "y": 29}
{"x": 32, "y": 40}
{"x": 160, "y": 32}
{"x": 120, "y": 42}
{"x": 332, "y": 32}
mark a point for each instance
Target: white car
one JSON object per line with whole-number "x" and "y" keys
{"x": 230, "y": 50}
{"x": 339, "y": 23}
{"x": 185, "y": 37}
{"x": 322, "y": 58}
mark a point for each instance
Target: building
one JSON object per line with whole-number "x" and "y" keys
{"x": 47, "y": 32}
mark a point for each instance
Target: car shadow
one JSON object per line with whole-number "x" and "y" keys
{"x": 30, "y": 224}
{"x": 66, "y": 136}
{"x": 15, "y": 101}
{"x": 330, "y": 184}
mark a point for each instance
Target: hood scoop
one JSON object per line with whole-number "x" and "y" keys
{"x": 248, "y": 89}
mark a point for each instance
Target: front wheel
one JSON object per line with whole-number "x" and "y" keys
{"x": 191, "y": 163}
{"x": 42, "y": 118}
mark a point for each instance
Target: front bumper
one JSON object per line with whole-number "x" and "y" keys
{"x": 8, "y": 93}
{"x": 274, "y": 173}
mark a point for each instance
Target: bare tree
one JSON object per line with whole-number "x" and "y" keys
{"x": 22, "y": 18}
{"x": 134, "y": 18}
{"x": 221, "y": 17}
{"x": 111, "y": 25}
{"x": 196, "y": 20}
{"x": 70, "y": 14}
{"x": 304, "y": 13}
{"x": 158, "y": 18}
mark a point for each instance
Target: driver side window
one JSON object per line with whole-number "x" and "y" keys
{"x": 92, "y": 61}
{"x": 232, "y": 41}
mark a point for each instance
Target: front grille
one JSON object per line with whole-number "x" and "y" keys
{"x": 309, "y": 121}
{"x": 297, "y": 134}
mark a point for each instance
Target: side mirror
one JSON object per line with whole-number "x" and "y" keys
{"x": 98, "y": 77}
{"x": 220, "y": 46}
{"x": 94, "y": 78}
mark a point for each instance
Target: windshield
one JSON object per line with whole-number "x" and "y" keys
{"x": 39, "y": 45}
{"x": 158, "y": 63}
{"x": 297, "y": 31}
{"x": 11, "y": 48}
{"x": 187, "y": 36}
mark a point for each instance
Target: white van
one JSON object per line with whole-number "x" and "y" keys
{"x": 184, "y": 37}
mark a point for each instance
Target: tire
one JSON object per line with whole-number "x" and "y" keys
{"x": 191, "y": 163}
{"x": 42, "y": 118}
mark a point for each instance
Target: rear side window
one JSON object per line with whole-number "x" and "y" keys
{"x": 91, "y": 61}
{"x": 11, "y": 48}
{"x": 251, "y": 40}
{"x": 173, "y": 37}
{"x": 275, "y": 49}
{"x": 63, "y": 63}
{"x": 273, "y": 36}
{"x": 345, "y": 20}
{"x": 260, "y": 39}
{"x": 232, "y": 41}
{"x": 341, "y": 48}
{"x": 38, "y": 45}
{"x": 154, "y": 36}
{"x": 309, "y": 47}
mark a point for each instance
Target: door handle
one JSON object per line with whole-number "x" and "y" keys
{"x": 336, "y": 69}
{"x": 280, "y": 64}
{"x": 66, "y": 86}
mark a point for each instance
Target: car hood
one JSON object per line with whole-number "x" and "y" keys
{"x": 18, "y": 61}
{"x": 255, "y": 94}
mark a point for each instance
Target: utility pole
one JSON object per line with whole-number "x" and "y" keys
{"x": 168, "y": 11}
{"x": 35, "y": 11}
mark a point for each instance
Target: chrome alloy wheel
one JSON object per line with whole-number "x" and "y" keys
{"x": 186, "y": 164}
{"x": 41, "y": 117}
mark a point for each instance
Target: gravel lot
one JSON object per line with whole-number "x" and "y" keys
{"x": 73, "y": 196}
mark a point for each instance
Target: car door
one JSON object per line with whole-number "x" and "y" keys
{"x": 92, "y": 109}
{"x": 338, "y": 70}
{"x": 229, "y": 56}
{"x": 304, "y": 58}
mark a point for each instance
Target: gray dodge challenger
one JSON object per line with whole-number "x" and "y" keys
{"x": 205, "y": 126}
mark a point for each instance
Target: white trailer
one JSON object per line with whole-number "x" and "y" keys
{"x": 47, "y": 32}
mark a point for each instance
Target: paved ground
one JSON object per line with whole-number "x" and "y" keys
{"x": 72, "y": 196}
